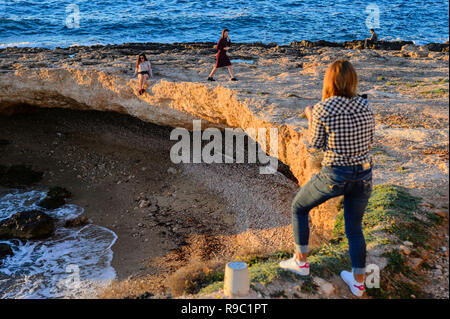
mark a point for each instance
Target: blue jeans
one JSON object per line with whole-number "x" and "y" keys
{"x": 355, "y": 184}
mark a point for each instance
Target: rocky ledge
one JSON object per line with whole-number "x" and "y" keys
{"x": 276, "y": 84}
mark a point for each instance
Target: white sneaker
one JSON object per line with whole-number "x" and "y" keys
{"x": 356, "y": 288}
{"x": 295, "y": 266}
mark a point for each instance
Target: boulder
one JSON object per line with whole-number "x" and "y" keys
{"x": 405, "y": 250}
{"x": 18, "y": 176}
{"x": 437, "y": 47}
{"x": 5, "y": 250}
{"x": 414, "y": 51}
{"x": 392, "y": 45}
{"x": 356, "y": 44}
{"x": 314, "y": 44}
{"x": 56, "y": 197}
{"x": 325, "y": 287}
{"x": 32, "y": 224}
{"x": 77, "y": 222}
{"x": 415, "y": 263}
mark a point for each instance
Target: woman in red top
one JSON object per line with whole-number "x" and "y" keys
{"x": 222, "y": 59}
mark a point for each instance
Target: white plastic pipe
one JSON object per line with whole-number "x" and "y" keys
{"x": 236, "y": 282}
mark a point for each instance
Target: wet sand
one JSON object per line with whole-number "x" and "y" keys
{"x": 118, "y": 169}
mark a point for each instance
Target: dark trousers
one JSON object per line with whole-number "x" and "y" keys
{"x": 368, "y": 42}
{"x": 355, "y": 184}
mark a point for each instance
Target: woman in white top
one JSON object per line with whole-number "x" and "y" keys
{"x": 144, "y": 71}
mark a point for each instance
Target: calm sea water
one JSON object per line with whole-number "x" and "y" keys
{"x": 69, "y": 22}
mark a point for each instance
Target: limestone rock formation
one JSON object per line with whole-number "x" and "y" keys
{"x": 56, "y": 197}
{"x": 32, "y": 224}
{"x": 5, "y": 250}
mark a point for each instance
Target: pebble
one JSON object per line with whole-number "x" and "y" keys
{"x": 437, "y": 272}
{"x": 405, "y": 250}
{"x": 326, "y": 287}
{"x": 144, "y": 203}
{"x": 415, "y": 263}
{"x": 441, "y": 213}
{"x": 171, "y": 170}
{"x": 408, "y": 243}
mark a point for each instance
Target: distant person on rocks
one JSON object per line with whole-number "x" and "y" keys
{"x": 343, "y": 126}
{"x": 222, "y": 59}
{"x": 144, "y": 71}
{"x": 372, "y": 40}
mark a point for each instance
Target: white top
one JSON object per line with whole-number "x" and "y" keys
{"x": 144, "y": 66}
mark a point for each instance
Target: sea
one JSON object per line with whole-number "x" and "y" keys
{"x": 64, "y": 23}
{"x": 75, "y": 262}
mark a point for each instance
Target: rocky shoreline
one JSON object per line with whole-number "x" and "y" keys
{"x": 407, "y": 86}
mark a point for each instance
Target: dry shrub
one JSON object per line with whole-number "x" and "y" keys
{"x": 131, "y": 288}
{"x": 192, "y": 277}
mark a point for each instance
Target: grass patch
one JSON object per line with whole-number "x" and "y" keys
{"x": 390, "y": 209}
{"x": 439, "y": 91}
{"x": 329, "y": 259}
{"x": 392, "y": 83}
{"x": 212, "y": 287}
{"x": 389, "y": 218}
{"x": 195, "y": 277}
{"x": 440, "y": 81}
{"x": 399, "y": 281}
{"x": 262, "y": 270}
{"x": 403, "y": 170}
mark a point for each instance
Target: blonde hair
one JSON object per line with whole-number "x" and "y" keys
{"x": 340, "y": 80}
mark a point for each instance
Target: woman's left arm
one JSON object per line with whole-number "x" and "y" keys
{"x": 150, "y": 69}
{"x": 228, "y": 44}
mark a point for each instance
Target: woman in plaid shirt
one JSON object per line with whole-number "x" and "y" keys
{"x": 342, "y": 125}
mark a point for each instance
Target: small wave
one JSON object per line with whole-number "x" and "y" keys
{"x": 15, "y": 44}
{"x": 73, "y": 263}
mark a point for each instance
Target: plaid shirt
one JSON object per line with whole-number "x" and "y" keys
{"x": 344, "y": 128}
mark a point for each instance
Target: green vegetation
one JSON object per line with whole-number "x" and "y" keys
{"x": 403, "y": 170}
{"x": 389, "y": 219}
{"x": 439, "y": 91}
{"x": 391, "y": 83}
{"x": 206, "y": 282}
{"x": 417, "y": 83}
{"x": 263, "y": 270}
{"x": 399, "y": 281}
{"x": 440, "y": 81}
